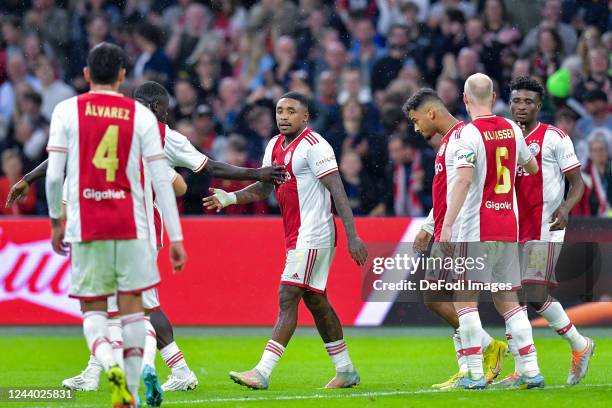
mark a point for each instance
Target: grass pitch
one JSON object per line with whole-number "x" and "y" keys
{"x": 397, "y": 368}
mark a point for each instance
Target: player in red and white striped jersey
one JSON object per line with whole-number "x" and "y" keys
{"x": 487, "y": 154}
{"x": 543, "y": 216}
{"x": 433, "y": 121}
{"x": 310, "y": 237}
{"x": 101, "y": 137}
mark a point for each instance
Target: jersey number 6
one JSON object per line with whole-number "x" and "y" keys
{"x": 503, "y": 174}
{"x": 105, "y": 157}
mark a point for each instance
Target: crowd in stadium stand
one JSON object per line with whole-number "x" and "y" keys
{"x": 226, "y": 62}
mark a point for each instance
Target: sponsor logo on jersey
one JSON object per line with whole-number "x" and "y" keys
{"x": 520, "y": 171}
{"x": 442, "y": 149}
{"x": 505, "y": 205}
{"x": 91, "y": 194}
{"x": 439, "y": 168}
{"x": 534, "y": 148}
{"x": 469, "y": 157}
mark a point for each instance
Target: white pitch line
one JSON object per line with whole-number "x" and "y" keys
{"x": 323, "y": 396}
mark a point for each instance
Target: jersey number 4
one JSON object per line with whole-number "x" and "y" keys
{"x": 503, "y": 184}
{"x": 105, "y": 157}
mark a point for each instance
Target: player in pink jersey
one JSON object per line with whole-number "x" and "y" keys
{"x": 543, "y": 216}
{"x": 310, "y": 237}
{"x": 481, "y": 215}
{"x": 101, "y": 137}
{"x": 433, "y": 121}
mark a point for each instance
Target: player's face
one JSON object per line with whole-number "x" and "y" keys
{"x": 160, "y": 109}
{"x": 423, "y": 123}
{"x": 291, "y": 116}
{"x": 525, "y": 106}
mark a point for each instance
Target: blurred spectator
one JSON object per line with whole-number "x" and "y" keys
{"x": 596, "y": 104}
{"x": 350, "y": 132}
{"x": 598, "y": 179}
{"x": 547, "y": 58}
{"x": 273, "y": 18}
{"x": 451, "y": 96}
{"x": 174, "y": 15}
{"x": 85, "y": 9}
{"x": 598, "y": 77}
{"x": 152, "y": 63}
{"x": 208, "y": 73}
{"x": 97, "y": 32}
{"x": 187, "y": 33}
{"x": 325, "y": 104}
{"x": 12, "y": 34}
{"x": 237, "y": 155}
{"x": 53, "y": 24}
{"x": 260, "y": 124}
{"x": 230, "y": 17}
{"x": 412, "y": 172}
{"x": 206, "y": 138}
{"x": 12, "y": 168}
{"x": 186, "y": 99}
{"x": 364, "y": 50}
{"x": 498, "y": 28}
{"x": 361, "y": 189}
{"x": 388, "y": 66}
{"x": 53, "y": 90}
{"x": 285, "y": 57}
{"x": 229, "y": 104}
{"x": 17, "y": 73}
{"x": 551, "y": 20}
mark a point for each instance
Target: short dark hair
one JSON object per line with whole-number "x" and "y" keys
{"x": 33, "y": 96}
{"x": 296, "y": 96}
{"x": 527, "y": 83}
{"x": 594, "y": 95}
{"x": 419, "y": 99}
{"x": 150, "y": 92}
{"x": 104, "y": 61}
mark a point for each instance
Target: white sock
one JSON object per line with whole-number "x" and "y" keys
{"x": 97, "y": 336}
{"x": 173, "y": 357}
{"x": 470, "y": 330}
{"x": 93, "y": 369}
{"x": 134, "y": 334}
{"x": 557, "y": 319}
{"x": 272, "y": 353}
{"x": 486, "y": 339}
{"x": 339, "y": 354}
{"x": 150, "y": 347}
{"x": 461, "y": 360}
{"x": 116, "y": 338}
{"x": 514, "y": 351}
{"x": 518, "y": 325}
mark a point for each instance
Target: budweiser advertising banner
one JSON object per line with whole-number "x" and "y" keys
{"x": 234, "y": 266}
{"x": 231, "y": 277}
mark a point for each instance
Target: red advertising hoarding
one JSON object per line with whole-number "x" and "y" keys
{"x": 231, "y": 277}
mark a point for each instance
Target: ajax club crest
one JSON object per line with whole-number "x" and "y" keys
{"x": 534, "y": 148}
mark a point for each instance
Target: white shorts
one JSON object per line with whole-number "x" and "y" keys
{"x": 492, "y": 262}
{"x": 308, "y": 268}
{"x": 102, "y": 268}
{"x": 150, "y": 301}
{"x": 538, "y": 261}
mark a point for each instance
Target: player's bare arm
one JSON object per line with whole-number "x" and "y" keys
{"x": 270, "y": 174}
{"x": 356, "y": 247}
{"x": 179, "y": 185}
{"x": 20, "y": 189}
{"x": 532, "y": 166}
{"x": 576, "y": 189}
{"x": 458, "y": 196}
{"x": 221, "y": 199}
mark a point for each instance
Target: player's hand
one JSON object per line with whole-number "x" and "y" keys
{"x": 57, "y": 240}
{"x": 272, "y": 174}
{"x": 219, "y": 199}
{"x": 178, "y": 256}
{"x": 18, "y": 192}
{"x": 421, "y": 242}
{"x": 446, "y": 246}
{"x": 358, "y": 250}
{"x": 559, "y": 219}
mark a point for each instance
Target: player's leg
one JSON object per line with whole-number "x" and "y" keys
{"x": 93, "y": 280}
{"x": 470, "y": 333}
{"x": 507, "y": 269}
{"x": 330, "y": 329}
{"x": 539, "y": 276}
{"x": 136, "y": 271}
{"x": 181, "y": 377}
{"x": 259, "y": 377}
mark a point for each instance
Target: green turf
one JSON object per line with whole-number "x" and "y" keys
{"x": 396, "y": 371}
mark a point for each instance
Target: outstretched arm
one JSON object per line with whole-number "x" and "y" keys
{"x": 229, "y": 172}
{"x": 356, "y": 247}
{"x": 20, "y": 189}
{"x": 221, "y": 199}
